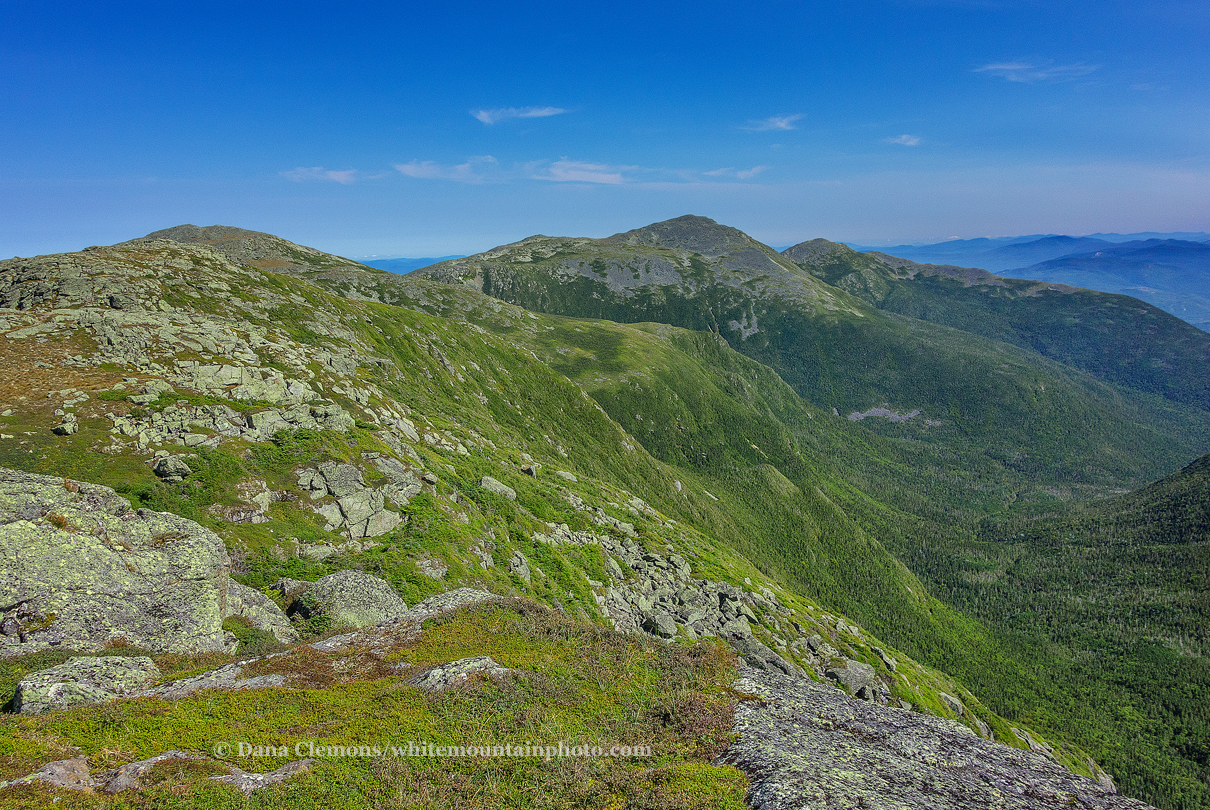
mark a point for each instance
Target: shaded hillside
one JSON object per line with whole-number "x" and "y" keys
{"x": 1169, "y": 271}
{"x": 1115, "y": 595}
{"x": 1118, "y": 339}
{"x": 1171, "y": 274}
{"x": 1008, "y": 253}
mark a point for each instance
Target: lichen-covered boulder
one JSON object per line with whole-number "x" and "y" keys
{"x": 83, "y": 680}
{"x": 449, "y": 600}
{"x": 351, "y": 599}
{"x": 456, "y": 673}
{"x": 172, "y": 468}
{"x": 260, "y": 611}
{"x": 492, "y": 485}
{"x": 341, "y": 479}
{"x": 858, "y": 679}
{"x": 79, "y": 568}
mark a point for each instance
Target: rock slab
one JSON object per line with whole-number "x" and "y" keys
{"x": 807, "y": 745}
{"x": 83, "y": 680}
{"x": 80, "y": 568}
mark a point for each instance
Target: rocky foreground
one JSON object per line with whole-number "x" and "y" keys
{"x": 805, "y": 745}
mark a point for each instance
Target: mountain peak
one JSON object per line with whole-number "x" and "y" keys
{"x": 690, "y": 232}
{"x": 207, "y": 235}
{"x": 816, "y": 250}
{"x": 262, "y": 250}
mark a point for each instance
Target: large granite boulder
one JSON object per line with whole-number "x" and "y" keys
{"x": 350, "y": 599}
{"x": 492, "y": 485}
{"x": 260, "y": 611}
{"x": 80, "y": 569}
{"x": 859, "y": 679}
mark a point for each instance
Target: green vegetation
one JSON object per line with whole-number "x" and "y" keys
{"x": 583, "y": 685}
{"x": 1019, "y": 435}
{"x": 1114, "y": 597}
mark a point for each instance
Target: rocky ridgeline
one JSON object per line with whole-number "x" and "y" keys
{"x": 257, "y": 249}
{"x": 686, "y": 255}
{"x": 118, "y": 297}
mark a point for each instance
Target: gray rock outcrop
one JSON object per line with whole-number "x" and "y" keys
{"x": 857, "y": 678}
{"x": 358, "y": 510}
{"x": 75, "y": 774}
{"x": 492, "y": 485}
{"x": 450, "y": 600}
{"x": 83, "y": 680}
{"x": 129, "y": 775}
{"x": 79, "y": 568}
{"x": 71, "y": 774}
{"x": 230, "y": 678}
{"x": 249, "y": 782}
{"x": 260, "y": 611}
{"x": 805, "y": 744}
{"x": 171, "y": 468}
{"x": 660, "y": 596}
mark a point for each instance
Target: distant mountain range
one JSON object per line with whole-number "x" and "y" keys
{"x": 1170, "y": 271}
{"x": 974, "y": 251}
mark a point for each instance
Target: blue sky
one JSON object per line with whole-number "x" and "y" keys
{"x": 426, "y": 129}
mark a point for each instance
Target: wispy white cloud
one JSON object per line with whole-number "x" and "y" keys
{"x": 486, "y": 169}
{"x": 302, "y": 174}
{"x": 462, "y": 173}
{"x": 490, "y": 117}
{"x": 574, "y": 171}
{"x": 739, "y": 174}
{"x": 905, "y": 140}
{"x": 1029, "y": 72}
{"x": 773, "y": 123}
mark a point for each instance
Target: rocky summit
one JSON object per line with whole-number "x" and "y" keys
{"x": 670, "y": 492}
